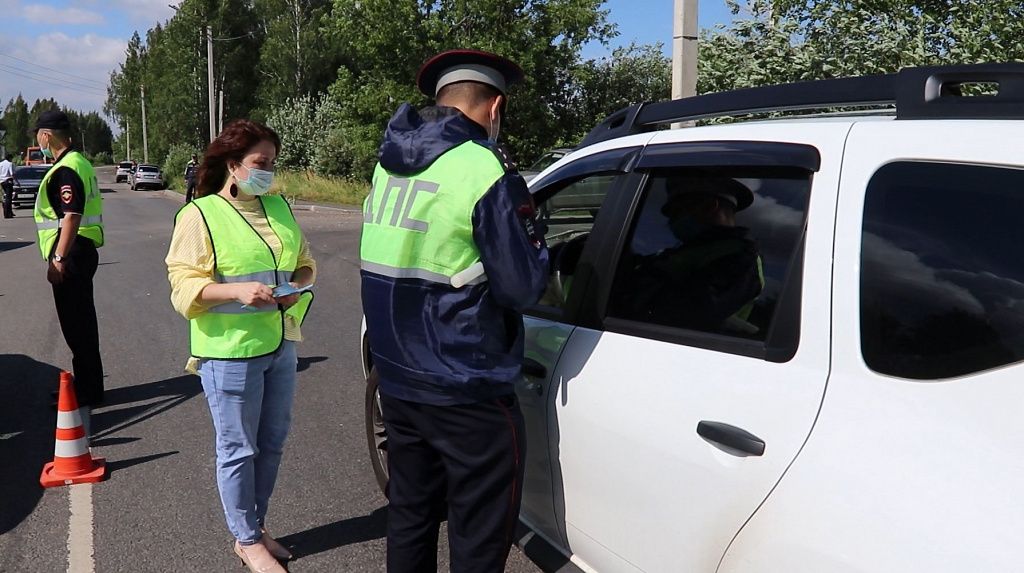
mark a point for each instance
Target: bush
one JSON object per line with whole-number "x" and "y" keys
{"x": 303, "y": 123}
{"x": 174, "y": 165}
{"x": 102, "y": 158}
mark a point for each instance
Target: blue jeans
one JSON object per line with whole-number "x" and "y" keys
{"x": 251, "y": 403}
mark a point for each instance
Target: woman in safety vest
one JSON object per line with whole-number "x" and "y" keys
{"x": 235, "y": 255}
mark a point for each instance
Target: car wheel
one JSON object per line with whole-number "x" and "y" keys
{"x": 376, "y": 435}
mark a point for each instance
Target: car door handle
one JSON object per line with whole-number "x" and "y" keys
{"x": 731, "y": 437}
{"x": 534, "y": 369}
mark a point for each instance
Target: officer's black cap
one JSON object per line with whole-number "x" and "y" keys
{"x": 467, "y": 65}
{"x": 726, "y": 188}
{"x": 54, "y": 119}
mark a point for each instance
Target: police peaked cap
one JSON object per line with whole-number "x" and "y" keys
{"x": 717, "y": 186}
{"x": 456, "y": 66}
{"x": 53, "y": 119}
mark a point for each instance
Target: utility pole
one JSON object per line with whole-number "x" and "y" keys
{"x": 220, "y": 114}
{"x": 128, "y": 138}
{"x": 209, "y": 80}
{"x": 684, "y": 49}
{"x": 145, "y": 139}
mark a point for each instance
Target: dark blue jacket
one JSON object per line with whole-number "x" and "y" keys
{"x": 435, "y": 344}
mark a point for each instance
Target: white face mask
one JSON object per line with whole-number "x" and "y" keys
{"x": 257, "y": 183}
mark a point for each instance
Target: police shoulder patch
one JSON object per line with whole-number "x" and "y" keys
{"x": 501, "y": 154}
{"x": 66, "y": 194}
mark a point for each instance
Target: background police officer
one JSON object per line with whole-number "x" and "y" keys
{"x": 191, "y": 169}
{"x": 450, "y": 256}
{"x": 7, "y": 184}
{"x": 69, "y": 221}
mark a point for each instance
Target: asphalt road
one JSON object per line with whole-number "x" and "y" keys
{"x": 159, "y": 510}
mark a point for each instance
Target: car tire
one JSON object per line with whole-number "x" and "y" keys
{"x": 376, "y": 434}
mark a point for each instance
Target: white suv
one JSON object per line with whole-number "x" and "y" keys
{"x": 858, "y": 408}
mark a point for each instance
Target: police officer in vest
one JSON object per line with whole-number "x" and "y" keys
{"x": 69, "y": 220}
{"x": 451, "y": 255}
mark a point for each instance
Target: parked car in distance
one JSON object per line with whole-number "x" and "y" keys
{"x": 147, "y": 176}
{"x": 124, "y": 171}
{"x": 545, "y": 161}
{"x": 26, "y": 184}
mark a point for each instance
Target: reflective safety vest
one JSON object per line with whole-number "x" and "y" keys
{"x": 47, "y": 222}
{"x": 421, "y": 226}
{"x": 231, "y": 330}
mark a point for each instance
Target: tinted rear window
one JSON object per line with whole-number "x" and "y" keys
{"x": 145, "y": 169}
{"x": 124, "y": 165}
{"x": 942, "y": 276}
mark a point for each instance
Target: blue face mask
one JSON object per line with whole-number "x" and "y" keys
{"x": 257, "y": 183}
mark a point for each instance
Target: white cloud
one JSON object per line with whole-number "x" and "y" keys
{"x": 53, "y": 16}
{"x": 74, "y": 70}
{"x": 144, "y": 12}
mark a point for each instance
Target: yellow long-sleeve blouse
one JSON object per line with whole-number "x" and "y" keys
{"x": 190, "y": 261}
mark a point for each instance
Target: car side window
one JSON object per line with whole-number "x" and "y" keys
{"x": 710, "y": 251}
{"x": 569, "y": 216}
{"x": 942, "y": 276}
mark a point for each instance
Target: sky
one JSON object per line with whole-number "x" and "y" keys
{"x": 66, "y": 49}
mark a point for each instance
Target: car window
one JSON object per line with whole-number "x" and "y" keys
{"x": 546, "y": 160}
{"x": 145, "y": 169}
{"x": 711, "y": 251}
{"x": 124, "y": 165}
{"x": 942, "y": 277}
{"x": 35, "y": 155}
{"x": 569, "y": 215}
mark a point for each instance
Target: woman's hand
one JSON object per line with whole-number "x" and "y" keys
{"x": 254, "y": 294}
{"x": 288, "y": 300}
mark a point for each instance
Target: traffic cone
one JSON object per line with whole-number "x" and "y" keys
{"x": 72, "y": 463}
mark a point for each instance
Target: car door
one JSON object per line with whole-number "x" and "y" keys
{"x": 570, "y": 200}
{"x": 676, "y": 411}
{"x": 914, "y": 463}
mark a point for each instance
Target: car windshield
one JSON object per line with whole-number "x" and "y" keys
{"x": 35, "y": 155}
{"x": 31, "y": 172}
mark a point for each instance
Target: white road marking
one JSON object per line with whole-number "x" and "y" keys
{"x": 80, "y": 559}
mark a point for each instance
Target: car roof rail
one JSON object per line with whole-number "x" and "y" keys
{"x": 932, "y": 92}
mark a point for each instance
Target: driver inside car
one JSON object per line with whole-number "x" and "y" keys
{"x": 708, "y": 280}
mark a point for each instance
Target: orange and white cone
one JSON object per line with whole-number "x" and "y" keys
{"x": 72, "y": 463}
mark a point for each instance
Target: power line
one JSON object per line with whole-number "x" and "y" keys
{"x": 52, "y": 69}
{"x": 45, "y": 78}
{"x": 234, "y": 38}
{"x": 15, "y": 72}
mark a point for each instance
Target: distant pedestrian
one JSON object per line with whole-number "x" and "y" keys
{"x": 69, "y": 219}
{"x": 231, "y": 247}
{"x": 7, "y": 184}
{"x": 190, "y": 178}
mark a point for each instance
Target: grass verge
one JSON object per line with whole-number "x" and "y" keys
{"x": 306, "y": 186}
{"x": 311, "y": 187}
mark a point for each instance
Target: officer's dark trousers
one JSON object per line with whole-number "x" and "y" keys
{"x": 8, "y": 191}
{"x": 77, "y": 314}
{"x": 468, "y": 458}
{"x": 190, "y": 191}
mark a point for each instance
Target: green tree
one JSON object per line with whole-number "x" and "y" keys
{"x": 792, "y": 40}
{"x": 632, "y": 74}
{"x": 16, "y": 123}
{"x": 296, "y": 57}
{"x": 379, "y": 62}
